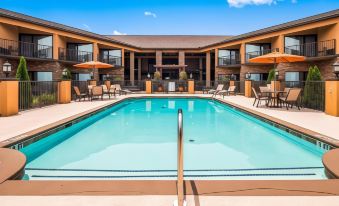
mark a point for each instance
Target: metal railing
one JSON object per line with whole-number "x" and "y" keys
{"x": 229, "y": 60}
{"x": 250, "y": 55}
{"x": 34, "y": 94}
{"x": 26, "y": 49}
{"x": 313, "y": 49}
{"x": 180, "y": 172}
{"x": 313, "y": 93}
{"x": 109, "y": 59}
{"x": 75, "y": 55}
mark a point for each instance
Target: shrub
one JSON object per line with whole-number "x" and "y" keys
{"x": 68, "y": 75}
{"x": 182, "y": 75}
{"x": 43, "y": 99}
{"x": 25, "y": 92}
{"x": 271, "y": 76}
{"x": 313, "y": 90}
{"x": 21, "y": 72}
{"x": 157, "y": 75}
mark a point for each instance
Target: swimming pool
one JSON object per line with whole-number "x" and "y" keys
{"x": 137, "y": 139}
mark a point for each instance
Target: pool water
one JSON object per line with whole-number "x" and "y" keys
{"x": 137, "y": 139}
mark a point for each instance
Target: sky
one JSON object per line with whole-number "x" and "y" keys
{"x": 182, "y": 17}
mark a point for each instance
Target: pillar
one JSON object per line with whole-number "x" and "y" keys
{"x": 200, "y": 68}
{"x": 64, "y": 91}
{"x": 9, "y": 97}
{"x": 56, "y": 45}
{"x": 243, "y": 53}
{"x": 92, "y": 82}
{"x": 131, "y": 67}
{"x": 208, "y": 69}
{"x": 139, "y": 69}
{"x": 332, "y": 97}
{"x": 158, "y": 57}
{"x": 275, "y": 85}
{"x": 248, "y": 88}
{"x": 181, "y": 58}
{"x": 123, "y": 57}
{"x": 232, "y": 83}
{"x": 148, "y": 87}
{"x": 191, "y": 86}
{"x": 95, "y": 51}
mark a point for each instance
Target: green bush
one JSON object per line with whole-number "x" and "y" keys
{"x": 182, "y": 75}
{"x": 21, "y": 72}
{"x": 157, "y": 75}
{"x": 25, "y": 92}
{"x": 313, "y": 90}
{"x": 271, "y": 76}
{"x": 43, "y": 99}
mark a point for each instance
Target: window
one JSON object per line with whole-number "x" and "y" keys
{"x": 229, "y": 56}
{"x": 112, "y": 56}
{"x": 38, "y": 46}
{"x": 259, "y": 76}
{"x": 41, "y": 76}
{"x": 81, "y": 77}
{"x": 305, "y": 45}
{"x": 295, "y": 76}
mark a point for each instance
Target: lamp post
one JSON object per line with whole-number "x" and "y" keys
{"x": 6, "y": 68}
{"x": 248, "y": 75}
{"x": 336, "y": 69}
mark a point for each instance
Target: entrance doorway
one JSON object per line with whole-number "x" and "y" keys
{"x": 170, "y": 73}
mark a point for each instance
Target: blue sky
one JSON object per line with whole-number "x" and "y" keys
{"x": 207, "y": 17}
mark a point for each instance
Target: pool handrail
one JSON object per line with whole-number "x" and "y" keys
{"x": 180, "y": 172}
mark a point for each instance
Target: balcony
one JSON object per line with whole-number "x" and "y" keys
{"x": 75, "y": 55}
{"x": 26, "y": 49}
{"x": 250, "y": 55}
{"x": 109, "y": 59}
{"x": 229, "y": 60}
{"x": 313, "y": 49}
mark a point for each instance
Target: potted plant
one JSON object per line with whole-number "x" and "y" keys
{"x": 157, "y": 77}
{"x": 183, "y": 79}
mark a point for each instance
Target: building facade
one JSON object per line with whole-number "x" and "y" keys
{"x": 50, "y": 47}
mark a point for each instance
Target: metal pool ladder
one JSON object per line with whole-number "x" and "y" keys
{"x": 180, "y": 173}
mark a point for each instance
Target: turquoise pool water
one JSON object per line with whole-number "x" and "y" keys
{"x": 137, "y": 139}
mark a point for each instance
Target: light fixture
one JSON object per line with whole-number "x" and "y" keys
{"x": 248, "y": 75}
{"x": 92, "y": 75}
{"x": 191, "y": 76}
{"x": 6, "y": 68}
{"x": 233, "y": 77}
{"x": 336, "y": 69}
{"x": 148, "y": 76}
{"x": 276, "y": 75}
{"x": 64, "y": 72}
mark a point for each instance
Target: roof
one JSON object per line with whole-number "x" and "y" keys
{"x": 279, "y": 27}
{"x": 54, "y": 25}
{"x": 169, "y": 41}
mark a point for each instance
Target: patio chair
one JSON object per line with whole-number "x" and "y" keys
{"x": 292, "y": 98}
{"x": 112, "y": 89}
{"x": 259, "y": 98}
{"x": 264, "y": 91}
{"x": 229, "y": 91}
{"x": 78, "y": 94}
{"x": 121, "y": 91}
{"x": 218, "y": 89}
{"x": 97, "y": 91}
{"x": 107, "y": 91}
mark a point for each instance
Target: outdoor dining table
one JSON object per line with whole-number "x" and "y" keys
{"x": 274, "y": 96}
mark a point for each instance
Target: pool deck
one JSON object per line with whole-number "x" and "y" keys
{"x": 30, "y": 120}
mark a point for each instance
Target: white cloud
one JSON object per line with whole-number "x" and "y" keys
{"x": 148, "y": 13}
{"x": 241, "y": 3}
{"x": 88, "y": 28}
{"x": 115, "y": 32}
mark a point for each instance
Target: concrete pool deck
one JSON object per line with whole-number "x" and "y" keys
{"x": 29, "y": 120}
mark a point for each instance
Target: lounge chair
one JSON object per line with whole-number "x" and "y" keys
{"x": 259, "y": 97}
{"x": 218, "y": 89}
{"x": 78, "y": 94}
{"x": 112, "y": 89}
{"x": 121, "y": 91}
{"x": 97, "y": 91}
{"x": 107, "y": 91}
{"x": 292, "y": 98}
{"x": 229, "y": 91}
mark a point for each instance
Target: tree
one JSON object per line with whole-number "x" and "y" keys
{"x": 183, "y": 75}
{"x": 21, "y": 72}
{"x": 313, "y": 90}
{"x": 157, "y": 75}
{"x": 271, "y": 76}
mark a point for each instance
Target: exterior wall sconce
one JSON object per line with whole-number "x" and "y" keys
{"x": 92, "y": 75}
{"x": 191, "y": 76}
{"x": 148, "y": 76}
{"x": 233, "y": 77}
{"x": 276, "y": 74}
{"x": 64, "y": 72}
{"x": 336, "y": 69}
{"x": 6, "y": 68}
{"x": 248, "y": 76}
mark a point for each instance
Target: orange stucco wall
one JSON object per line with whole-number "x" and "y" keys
{"x": 9, "y": 103}
{"x": 332, "y": 98}
{"x": 64, "y": 89}
{"x": 9, "y": 32}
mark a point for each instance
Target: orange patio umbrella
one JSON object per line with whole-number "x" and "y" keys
{"x": 277, "y": 57}
{"x": 93, "y": 65}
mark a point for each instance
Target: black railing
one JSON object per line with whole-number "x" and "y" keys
{"x": 109, "y": 59}
{"x": 229, "y": 60}
{"x": 313, "y": 49}
{"x": 26, "y": 49}
{"x": 250, "y": 55}
{"x": 34, "y": 94}
{"x": 313, "y": 93}
{"x": 75, "y": 55}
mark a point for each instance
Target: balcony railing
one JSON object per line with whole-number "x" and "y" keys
{"x": 313, "y": 49}
{"x": 26, "y": 49}
{"x": 75, "y": 55}
{"x": 109, "y": 59}
{"x": 229, "y": 60}
{"x": 250, "y": 55}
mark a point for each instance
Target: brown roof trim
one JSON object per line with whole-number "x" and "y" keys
{"x": 54, "y": 25}
{"x": 283, "y": 26}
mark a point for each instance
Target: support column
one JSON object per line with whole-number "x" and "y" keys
{"x": 139, "y": 69}
{"x": 208, "y": 69}
{"x": 243, "y": 53}
{"x": 200, "y": 68}
{"x": 95, "y": 58}
{"x": 9, "y": 97}
{"x": 56, "y": 45}
{"x": 158, "y": 57}
{"x": 248, "y": 88}
{"x": 123, "y": 57}
{"x": 332, "y": 97}
{"x": 64, "y": 91}
{"x": 181, "y": 58}
{"x": 131, "y": 67}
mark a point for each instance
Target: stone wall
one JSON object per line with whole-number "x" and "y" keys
{"x": 226, "y": 70}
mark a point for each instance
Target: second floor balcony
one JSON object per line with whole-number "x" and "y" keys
{"x": 74, "y": 55}
{"x": 313, "y": 49}
{"x": 229, "y": 60}
{"x": 110, "y": 59}
{"x": 253, "y": 54}
{"x": 26, "y": 49}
